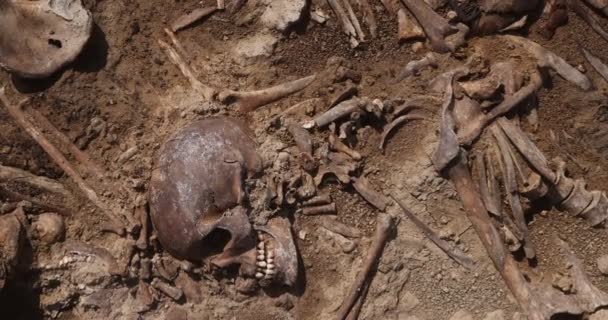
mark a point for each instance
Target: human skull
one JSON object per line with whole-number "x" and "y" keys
{"x": 197, "y": 203}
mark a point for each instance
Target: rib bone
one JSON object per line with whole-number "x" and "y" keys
{"x": 347, "y": 25}
{"x": 252, "y": 100}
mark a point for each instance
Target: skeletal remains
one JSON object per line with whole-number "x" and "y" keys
{"x": 209, "y": 178}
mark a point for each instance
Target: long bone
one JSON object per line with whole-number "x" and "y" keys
{"x": 415, "y": 66}
{"x": 547, "y": 59}
{"x": 409, "y": 28}
{"x": 354, "y": 20}
{"x": 596, "y": 63}
{"x": 435, "y": 26}
{"x": 347, "y": 24}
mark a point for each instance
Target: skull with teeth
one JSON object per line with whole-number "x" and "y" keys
{"x": 198, "y": 203}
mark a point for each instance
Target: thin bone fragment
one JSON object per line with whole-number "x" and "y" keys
{"x": 415, "y": 66}
{"x": 548, "y": 59}
{"x": 588, "y": 17}
{"x": 388, "y": 129}
{"x": 347, "y": 25}
{"x": 252, "y": 100}
{"x": 456, "y": 255}
{"x": 383, "y": 227}
{"x": 434, "y": 25}
{"x": 192, "y": 17}
{"x": 354, "y": 20}
{"x": 516, "y": 25}
{"x": 367, "y": 191}
{"x": 369, "y": 17}
{"x": 596, "y": 63}
{"x": 207, "y": 92}
{"x": 42, "y": 183}
{"x": 19, "y": 117}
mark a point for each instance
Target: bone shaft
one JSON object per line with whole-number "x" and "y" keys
{"x": 383, "y": 226}
{"x": 341, "y": 110}
{"x": 597, "y": 64}
{"x": 318, "y": 200}
{"x": 478, "y": 216}
{"x": 18, "y": 175}
{"x": 142, "y": 241}
{"x": 349, "y": 29}
{"x": 172, "y": 292}
{"x": 354, "y": 19}
{"x": 369, "y": 16}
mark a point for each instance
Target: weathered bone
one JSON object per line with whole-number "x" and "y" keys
{"x": 588, "y": 17}
{"x": 354, "y": 20}
{"x": 321, "y": 209}
{"x": 488, "y": 186}
{"x": 435, "y": 27}
{"x": 347, "y": 24}
{"x": 507, "y": 6}
{"x": 192, "y": 17}
{"x": 29, "y": 49}
{"x": 338, "y": 227}
{"x": 252, "y": 100}
{"x": 318, "y": 200}
{"x": 516, "y": 25}
{"x": 469, "y": 133}
{"x": 548, "y": 59}
{"x": 409, "y": 29}
{"x": 383, "y": 227}
{"x": 597, "y": 64}
{"x": 369, "y": 16}
{"x": 144, "y": 233}
{"x": 368, "y": 192}
{"x": 170, "y": 291}
{"x": 13, "y": 174}
{"x": 415, "y": 66}
{"x": 501, "y": 74}
{"x": 343, "y": 109}
{"x": 304, "y": 142}
{"x": 12, "y": 237}
{"x": 339, "y": 146}
{"x": 512, "y": 190}
{"x": 456, "y": 255}
{"x": 558, "y": 16}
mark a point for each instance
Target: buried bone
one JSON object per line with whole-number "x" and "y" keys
{"x": 435, "y": 27}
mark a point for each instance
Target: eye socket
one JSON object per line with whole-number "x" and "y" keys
{"x": 55, "y": 43}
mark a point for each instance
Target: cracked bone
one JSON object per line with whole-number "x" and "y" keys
{"x": 415, "y": 66}
{"x": 596, "y": 63}
{"x": 347, "y": 24}
{"x": 435, "y": 26}
{"x": 489, "y": 189}
{"x": 252, "y": 100}
{"x": 588, "y": 17}
{"x": 170, "y": 291}
{"x": 409, "y": 29}
{"x": 548, "y": 59}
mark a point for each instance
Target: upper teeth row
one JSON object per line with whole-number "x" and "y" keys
{"x": 265, "y": 260}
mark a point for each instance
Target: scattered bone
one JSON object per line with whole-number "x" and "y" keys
{"x": 354, "y": 20}
{"x": 368, "y": 192}
{"x": 469, "y": 133}
{"x": 207, "y": 92}
{"x": 369, "y": 17}
{"x": 588, "y": 17}
{"x": 48, "y": 228}
{"x": 318, "y": 200}
{"x": 395, "y": 124}
{"x": 127, "y": 155}
{"x": 458, "y": 256}
{"x": 252, "y": 100}
{"x": 409, "y": 29}
{"x": 20, "y": 117}
{"x": 347, "y": 24}
{"x": 192, "y": 17}
{"x": 304, "y": 142}
{"x": 363, "y": 279}
{"x": 319, "y": 210}
{"x": 101, "y": 255}
{"x": 341, "y": 110}
{"x": 308, "y": 189}
{"x": 348, "y": 92}
{"x": 597, "y": 64}
{"x": 448, "y": 148}
{"x": 145, "y": 297}
{"x": 28, "y": 49}
{"x": 332, "y": 224}
{"x": 435, "y": 27}
{"x": 415, "y": 66}
{"x": 344, "y": 73}
{"x": 142, "y": 240}
{"x": 191, "y": 288}
{"x": 488, "y": 186}
{"x": 548, "y": 59}
{"x": 10, "y": 174}
{"x": 169, "y": 290}
{"x": 339, "y": 146}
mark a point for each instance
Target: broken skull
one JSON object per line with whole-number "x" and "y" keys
{"x": 197, "y": 202}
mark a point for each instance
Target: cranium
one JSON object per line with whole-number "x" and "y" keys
{"x": 40, "y": 37}
{"x": 197, "y": 200}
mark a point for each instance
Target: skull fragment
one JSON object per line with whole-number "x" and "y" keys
{"x": 198, "y": 203}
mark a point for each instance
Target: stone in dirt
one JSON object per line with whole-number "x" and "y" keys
{"x": 462, "y": 315}
{"x": 258, "y": 46}
{"x": 408, "y": 302}
{"x": 602, "y": 264}
{"x": 282, "y": 14}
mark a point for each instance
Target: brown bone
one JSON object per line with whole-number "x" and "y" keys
{"x": 435, "y": 27}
